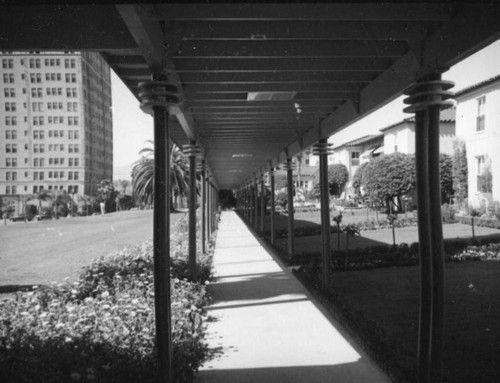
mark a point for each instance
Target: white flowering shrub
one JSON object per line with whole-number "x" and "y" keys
{"x": 101, "y": 328}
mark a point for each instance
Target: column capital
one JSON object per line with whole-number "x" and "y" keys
{"x": 322, "y": 148}
{"x": 191, "y": 150}
{"x": 427, "y": 93}
{"x": 158, "y": 94}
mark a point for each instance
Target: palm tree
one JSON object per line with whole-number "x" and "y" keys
{"x": 143, "y": 174}
{"x": 42, "y": 195}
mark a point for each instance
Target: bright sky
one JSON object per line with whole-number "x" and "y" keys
{"x": 132, "y": 127}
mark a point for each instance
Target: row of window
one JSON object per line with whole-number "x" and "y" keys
{"x": 40, "y": 120}
{"x": 40, "y": 148}
{"x": 12, "y": 189}
{"x": 40, "y": 162}
{"x": 36, "y": 63}
{"x": 40, "y": 176}
{"x": 38, "y": 92}
{"x": 38, "y": 106}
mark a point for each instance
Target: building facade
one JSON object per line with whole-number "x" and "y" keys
{"x": 478, "y": 125}
{"x": 56, "y": 129}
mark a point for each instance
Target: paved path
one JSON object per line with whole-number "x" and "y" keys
{"x": 266, "y": 327}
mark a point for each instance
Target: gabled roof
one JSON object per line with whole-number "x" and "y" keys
{"x": 477, "y": 86}
{"x": 361, "y": 141}
{"x": 447, "y": 116}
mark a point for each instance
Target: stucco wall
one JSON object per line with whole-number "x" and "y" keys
{"x": 482, "y": 143}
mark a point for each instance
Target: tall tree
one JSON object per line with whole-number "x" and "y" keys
{"x": 337, "y": 178}
{"x": 460, "y": 171}
{"x": 143, "y": 174}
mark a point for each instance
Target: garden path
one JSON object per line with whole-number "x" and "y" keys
{"x": 266, "y": 327}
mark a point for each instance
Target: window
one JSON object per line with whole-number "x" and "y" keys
{"x": 9, "y": 92}
{"x": 354, "y": 158}
{"x": 481, "y": 104}
{"x": 484, "y": 175}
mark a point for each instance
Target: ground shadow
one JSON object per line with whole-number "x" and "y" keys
{"x": 6, "y": 289}
{"x": 346, "y": 372}
{"x": 254, "y": 287}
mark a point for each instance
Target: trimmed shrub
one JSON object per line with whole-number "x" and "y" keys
{"x": 102, "y": 327}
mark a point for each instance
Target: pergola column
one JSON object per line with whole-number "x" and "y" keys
{"x": 202, "y": 207}
{"x": 426, "y": 98}
{"x": 323, "y": 149}
{"x": 256, "y": 204}
{"x": 288, "y": 166}
{"x": 262, "y": 204}
{"x": 192, "y": 150}
{"x": 209, "y": 207}
{"x": 272, "y": 223}
{"x": 155, "y": 98}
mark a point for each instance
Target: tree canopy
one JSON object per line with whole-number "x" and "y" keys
{"x": 389, "y": 176}
{"x": 337, "y": 178}
{"x": 143, "y": 174}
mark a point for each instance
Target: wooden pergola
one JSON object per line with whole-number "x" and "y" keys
{"x": 245, "y": 87}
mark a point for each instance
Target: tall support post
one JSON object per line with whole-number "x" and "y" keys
{"x": 192, "y": 150}
{"x": 256, "y": 204}
{"x": 426, "y": 98}
{"x": 323, "y": 149}
{"x": 155, "y": 97}
{"x": 209, "y": 208}
{"x": 272, "y": 222}
{"x": 262, "y": 204}
{"x": 202, "y": 207}
{"x": 291, "y": 231}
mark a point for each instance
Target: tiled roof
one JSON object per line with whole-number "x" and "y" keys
{"x": 361, "y": 140}
{"x": 447, "y": 115}
{"x": 479, "y": 85}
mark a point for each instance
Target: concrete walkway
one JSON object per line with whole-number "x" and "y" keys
{"x": 266, "y": 327}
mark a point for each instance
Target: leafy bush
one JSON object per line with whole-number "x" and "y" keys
{"x": 102, "y": 327}
{"x": 448, "y": 213}
{"x": 337, "y": 178}
{"x": 455, "y": 250}
{"x": 484, "y": 222}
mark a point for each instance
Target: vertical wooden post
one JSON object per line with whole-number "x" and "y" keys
{"x": 202, "y": 207}
{"x": 191, "y": 151}
{"x": 273, "y": 235}
{"x": 153, "y": 95}
{"x": 262, "y": 204}
{"x": 427, "y": 97}
{"x": 256, "y": 204}
{"x": 291, "y": 230}
{"x": 322, "y": 149}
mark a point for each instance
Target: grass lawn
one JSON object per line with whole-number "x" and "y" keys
{"x": 312, "y": 243}
{"x": 382, "y": 306}
{"x": 41, "y": 252}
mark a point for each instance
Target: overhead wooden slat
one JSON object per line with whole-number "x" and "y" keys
{"x": 296, "y": 29}
{"x": 271, "y": 76}
{"x": 291, "y": 48}
{"x": 313, "y": 11}
{"x": 251, "y": 64}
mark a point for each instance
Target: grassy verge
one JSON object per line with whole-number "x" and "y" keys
{"x": 101, "y": 328}
{"x": 380, "y": 308}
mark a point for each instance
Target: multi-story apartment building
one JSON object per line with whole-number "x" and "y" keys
{"x": 478, "y": 125}
{"x": 55, "y": 123}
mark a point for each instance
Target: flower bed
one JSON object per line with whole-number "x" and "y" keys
{"x": 102, "y": 327}
{"x": 485, "y": 222}
{"x": 456, "y": 250}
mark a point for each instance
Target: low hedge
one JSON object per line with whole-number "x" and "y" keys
{"x": 484, "y": 222}
{"x": 455, "y": 250}
{"x": 102, "y": 327}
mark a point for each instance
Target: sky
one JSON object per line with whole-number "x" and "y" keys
{"x": 132, "y": 127}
